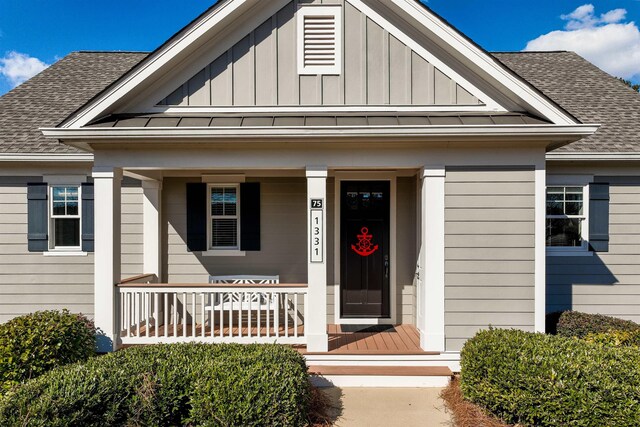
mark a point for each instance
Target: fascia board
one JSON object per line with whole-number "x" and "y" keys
{"x": 154, "y": 63}
{"x": 232, "y": 133}
{"x": 46, "y": 157}
{"x": 485, "y": 62}
{"x": 593, "y": 156}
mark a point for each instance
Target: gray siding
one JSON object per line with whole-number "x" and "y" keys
{"x": 606, "y": 283}
{"x": 30, "y": 281}
{"x": 406, "y": 256}
{"x": 261, "y": 69}
{"x": 489, "y": 252}
{"x": 283, "y": 236}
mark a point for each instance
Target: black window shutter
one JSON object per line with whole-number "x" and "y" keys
{"x": 88, "y": 214}
{"x": 250, "y": 216}
{"x": 197, "y": 216}
{"x": 38, "y": 217}
{"x": 599, "y": 217}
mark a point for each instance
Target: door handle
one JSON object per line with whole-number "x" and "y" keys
{"x": 386, "y": 266}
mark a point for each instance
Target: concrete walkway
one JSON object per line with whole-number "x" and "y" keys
{"x": 388, "y": 407}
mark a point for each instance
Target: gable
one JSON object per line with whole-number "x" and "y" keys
{"x": 262, "y": 70}
{"x": 235, "y": 35}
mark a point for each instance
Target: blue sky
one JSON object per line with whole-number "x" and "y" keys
{"x": 34, "y": 33}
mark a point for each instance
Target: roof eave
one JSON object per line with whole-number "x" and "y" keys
{"x": 566, "y": 133}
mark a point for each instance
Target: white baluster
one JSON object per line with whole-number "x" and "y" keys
{"x": 286, "y": 314}
{"x": 295, "y": 315}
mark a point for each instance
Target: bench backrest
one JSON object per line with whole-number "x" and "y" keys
{"x": 245, "y": 280}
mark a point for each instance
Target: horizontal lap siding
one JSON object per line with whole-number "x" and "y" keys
{"x": 132, "y": 229}
{"x": 30, "y": 281}
{"x": 406, "y": 256}
{"x": 283, "y": 236}
{"x": 606, "y": 283}
{"x": 489, "y": 252}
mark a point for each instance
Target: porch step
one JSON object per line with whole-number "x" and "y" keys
{"x": 380, "y": 376}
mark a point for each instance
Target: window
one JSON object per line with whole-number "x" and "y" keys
{"x": 567, "y": 223}
{"x": 65, "y": 217}
{"x": 320, "y": 40}
{"x": 225, "y": 215}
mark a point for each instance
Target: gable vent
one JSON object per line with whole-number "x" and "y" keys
{"x": 319, "y": 44}
{"x": 320, "y": 41}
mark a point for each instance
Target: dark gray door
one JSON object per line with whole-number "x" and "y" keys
{"x": 364, "y": 283}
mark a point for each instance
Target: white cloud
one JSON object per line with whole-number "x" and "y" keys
{"x": 606, "y": 40}
{"x": 18, "y": 67}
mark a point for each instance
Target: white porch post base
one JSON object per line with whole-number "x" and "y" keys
{"x": 431, "y": 342}
{"x": 316, "y": 304}
{"x": 432, "y": 336}
{"x": 107, "y": 184}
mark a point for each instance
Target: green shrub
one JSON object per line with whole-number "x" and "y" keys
{"x": 168, "y": 385}
{"x": 36, "y": 343}
{"x": 615, "y": 338}
{"x": 579, "y": 325}
{"x": 543, "y": 380}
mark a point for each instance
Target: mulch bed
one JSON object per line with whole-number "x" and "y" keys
{"x": 465, "y": 413}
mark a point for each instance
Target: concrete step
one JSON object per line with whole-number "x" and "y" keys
{"x": 380, "y": 376}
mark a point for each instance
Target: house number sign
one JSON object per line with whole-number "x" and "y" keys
{"x": 317, "y": 230}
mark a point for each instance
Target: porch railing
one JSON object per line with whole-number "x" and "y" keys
{"x": 154, "y": 313}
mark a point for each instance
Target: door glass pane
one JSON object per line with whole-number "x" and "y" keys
{"x": 67, "y": 232}
{"x": 564, "y": 232}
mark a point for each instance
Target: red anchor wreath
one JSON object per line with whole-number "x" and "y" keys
{"x": 364, "y": 247}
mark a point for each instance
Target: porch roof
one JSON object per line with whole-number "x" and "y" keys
{"x": 313, "y": 120}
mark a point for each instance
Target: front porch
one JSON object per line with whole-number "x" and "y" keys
{"x": 298, "y": 240}
{"x": 152, "y": 313}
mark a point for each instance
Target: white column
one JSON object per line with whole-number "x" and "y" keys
{"x": 316, "y": 307}
{"x": 432, "y": 260}
{"x": 151, "y": 231}
{"x": 540, "y": 247}
{"x": 107, "y": 183}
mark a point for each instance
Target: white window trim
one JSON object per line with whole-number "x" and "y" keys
{"x": 63, "y": 250}
{"x": 223, "y": 251}
{"x": 320, "y": 10}
{"x": 572, "y": 181}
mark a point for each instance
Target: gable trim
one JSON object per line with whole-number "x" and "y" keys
{"x": 156, "y": 60}
{"x": 518, "y": 86}
{"x": 489, "y": 103}
{"x": 317, "y": 109}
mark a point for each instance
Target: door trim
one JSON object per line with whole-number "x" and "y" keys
{"x": 390, "y": 176}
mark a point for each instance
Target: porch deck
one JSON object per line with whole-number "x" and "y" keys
{"x": 399, "y": 340}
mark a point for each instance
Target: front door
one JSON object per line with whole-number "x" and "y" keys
{"x": 365, "y": 263}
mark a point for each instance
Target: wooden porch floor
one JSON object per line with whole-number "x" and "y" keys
{"x": 400, "y": 340}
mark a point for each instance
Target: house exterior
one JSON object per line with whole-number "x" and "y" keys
{"x": 285, "y": 170}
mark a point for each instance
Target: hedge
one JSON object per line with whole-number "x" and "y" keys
{"x": 579, "y": 325}
{"x": 543, "y": 380}
{"x": 36, "y": 343}
{"x": 615, "y": 338}
{"x": 168, "y": 385}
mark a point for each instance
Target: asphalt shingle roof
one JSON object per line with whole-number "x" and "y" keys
{"x": 51, "y": 96}
{"x": 580, "y": 87}
{"x": 587, "y": 92}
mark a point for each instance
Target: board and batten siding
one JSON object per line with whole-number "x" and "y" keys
{"x": 489, "y": 251}
{"x": 262, "y": 70}
{"x": 608, "y": 282}
{"x": 30, "y": 281}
